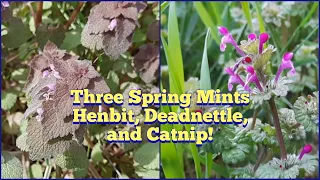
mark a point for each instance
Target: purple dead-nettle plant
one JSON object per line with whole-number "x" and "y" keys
{"x": 53, "y": 73}
{"x": 110, "y": 27}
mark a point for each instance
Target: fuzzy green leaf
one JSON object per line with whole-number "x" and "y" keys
{"x": 75, "y": 158}
{"x": 148, "y": 156}
{"x": 288, "y": 168}
{"x": 306, "y": 111}
{"x": 147, "y": 173}
{"x": 236, "y": 154}
{"x": 11, "y": 167}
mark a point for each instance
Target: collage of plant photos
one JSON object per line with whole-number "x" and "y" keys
{"x": 160, "y": 89}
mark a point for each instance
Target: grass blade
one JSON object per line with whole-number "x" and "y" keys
{"x": 208, "y": 165}
{"x": 164, "y": 6}
{"x": 195, "y": 155}
{"x": 206, "y": 19}
{"x": 216, "y": 11}
{"x": 205, "y": 82}
{"x": 246, "y": 11}
{"x": 176, "y": 80}
{"x": 170, "y": 158}
{"x": 175, "y": 64}
{"x": 175, "y": 61}
{"x": 260, "y": 20}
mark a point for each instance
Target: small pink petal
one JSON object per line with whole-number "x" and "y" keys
{"x": 229, "y": 71}
{"x": 230, "y": 86}
{"x": 264, "y": 37}
{"x": 45, "y": 73}
{"x": 250, "y": 69}
{"x": 307, "y": 148}
{"x": 292, "y": 72}
{"x": 252, "y": 36}
{"x": 40, "y": 111}
{"x": 223, "y": 30}
{"x": 223, "y": 47}
{"x": 287, "y": 56}
{"x": 112, "y": 24}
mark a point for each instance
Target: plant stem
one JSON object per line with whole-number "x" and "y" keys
{"x": 47, "y": 172}
{"x": 283, "y": 152}
{"x": 263, "y": 150}
{"x": 38, "y": 20}
{"x": 26, "y": 164}
{"x": 58, "y": 172}
{"x": 93, "y": 171}
{"x": 254, "y": 118}
{"x": 74, "y": 14}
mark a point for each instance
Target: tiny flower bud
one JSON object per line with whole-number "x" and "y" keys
{"x": 223, "y": 30}
{"x": 112, "y": 24}
{"x": 306, "y": 149}
{"x": 45, "y": 73}
{"x": 252, "y": 36}
{"x": 287, "y": 56}
{"x": 263, "y": 38}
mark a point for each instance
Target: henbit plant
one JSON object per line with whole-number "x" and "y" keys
{"x": 264, "y": 86}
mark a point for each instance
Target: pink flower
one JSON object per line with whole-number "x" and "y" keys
{"x": 55, "y": 73}
{"x": 112, "y": 24}
{"x": 286, "y": 64}
{"x": 45, "y": 73}
{"x": 252, "y": 77}
{"x": 306, "y": 149}
{"x": 234, "y": 79}
{"x": 39, "y": 116}
{"x": 228, "y": 39}
{"x": 263, "y": 38}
